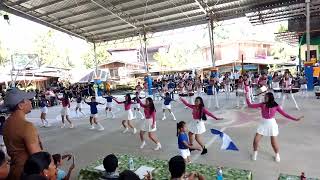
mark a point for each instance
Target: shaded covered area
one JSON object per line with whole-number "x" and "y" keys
{"x": 102, "y": 20}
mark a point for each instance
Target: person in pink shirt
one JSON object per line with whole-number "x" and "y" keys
{"x": 127, "y": 107}
{"x": 65, "y": 111}
{"x": 149, "y": 124}
{"x": 197, "y": 126}
{"x": 268, "y": 125}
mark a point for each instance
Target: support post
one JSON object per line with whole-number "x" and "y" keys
{"x": 308, "y": 29}
{"x": 149, "y": 79}
{"x": 96, "y": 69}
{"x": 242, "y": 67}
{"x": 211, "y": 33}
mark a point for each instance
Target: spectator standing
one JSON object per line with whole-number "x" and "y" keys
{"x": 20, "y": 136}
{"x": 4, "y": 165}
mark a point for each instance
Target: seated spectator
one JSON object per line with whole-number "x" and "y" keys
{"x": 40, "y": 163}
{"x": 58, "y": 162}
{"x": 34, "y": 177}
{"x": 110, "y": 164}
{"x": 4, "y": 166}
{"x": 177, "y": 168}
{"x": 128, "y": 175}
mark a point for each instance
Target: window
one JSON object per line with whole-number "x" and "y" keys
{"x": 114, "y": 73}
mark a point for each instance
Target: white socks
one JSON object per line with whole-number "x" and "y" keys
{"x": 92, "y": 126}
{"x": 125, "y": 130}
{"x": 134, "y": 130}
{"x": 277, "y": 158}
{"x": 174, "y": 118}
{"x": 101, "y": 128}
{"x": 254, "y": 155}
{"x": 158, "y": 147}
{"x": 143, "y": 144}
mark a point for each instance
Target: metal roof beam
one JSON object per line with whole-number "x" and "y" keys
{"x": 121, "y": 15}
{"x": 132, "y": 8}
{"x": 151, "y": 22}
{"x": 149, "y": 17}
{"x": 202, "y": 5}
{"x": 66, "y": 8}
{"x": 169, "y": 21}
{"x": 17, "y": 2}
{"x": 50, "y": 3}
{"x": 39, "y": 21}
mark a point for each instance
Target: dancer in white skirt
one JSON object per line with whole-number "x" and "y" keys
{"x": 94, "y": 113}
{"x": 197, "y": 126}
{"x": 149, "y": 124}
{"x": 65, "y": 112}
{"x": 167, "y": 106}
{"x": 303, "y": 85}
{"x": 44, "y": 110}
{"x": 79, "y": 104}
{"x": 240, "y": 92}
{"x": 136, "y": 107}
{"x": 127, "y": 107}
{"x": 227, "y": 85}
{"x": 268, "y": 126}
{"x": 109, "y": 105}
{"x": 183, "y": 142}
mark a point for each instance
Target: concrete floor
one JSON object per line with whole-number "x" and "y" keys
{"x": 299, "y": 141}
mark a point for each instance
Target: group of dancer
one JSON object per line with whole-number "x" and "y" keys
{"x": 187, "y": 132}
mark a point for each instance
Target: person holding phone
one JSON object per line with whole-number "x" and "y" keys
{"x": 58, "y": 161}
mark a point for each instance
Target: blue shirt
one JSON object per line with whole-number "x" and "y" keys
{"x": 43, "y": 103}
{"x": 109, "y": 98}
{"x": 93, "y": 107}
{"x": 79, "y": 99}
{"x": 171, "y": 85}
{"x": 61, "y": 174}
{"x": 181, "y": 138}
{"x": 167, "y": 100}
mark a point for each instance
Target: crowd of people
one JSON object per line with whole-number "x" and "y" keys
{"x": 24, "y": 147}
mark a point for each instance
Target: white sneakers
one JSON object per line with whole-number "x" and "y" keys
{"x": 92, "y": 127}
{"x": 125, "y": 130}
{"x": 71, "y": 126}
{"x": 134, "y": 130}
{"x": 255, "y": 154}
{"x": 142, "y": 145}
{"x": 63, "y": 126}
{"x": 164, "y": 118}
{"x": 158, "y": 147}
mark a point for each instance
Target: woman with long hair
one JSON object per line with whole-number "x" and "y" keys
{"x": 44, "y": 110}
{"x": 149, "y": 124}
{"x": 197, "y": 126}
{"x": 65, "y": 111}
{"x": 268, "y": 125}
{"x": 127, "y": 107}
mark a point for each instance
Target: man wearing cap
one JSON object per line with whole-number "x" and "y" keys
{"x": 20, "y": 136}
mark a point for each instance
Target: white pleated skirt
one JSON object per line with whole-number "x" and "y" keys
{"x": 166, "y": 106}
{"x": 197, "y": 126}
{"x": 268, "y": 127}
{"x": 130, "y": 115}
{"x": 65, "y": 111}
{"x": 147, "y": 126}
{"x": 44, "y": 110}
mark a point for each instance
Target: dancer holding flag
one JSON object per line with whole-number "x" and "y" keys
{"x": 197, "y": 126}
{"x": 268, "y": 125}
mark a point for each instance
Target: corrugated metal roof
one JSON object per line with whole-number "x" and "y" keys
{"x": 106, "y": 20}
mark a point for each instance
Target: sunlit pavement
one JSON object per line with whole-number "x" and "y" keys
{"x": 299, "y": 141}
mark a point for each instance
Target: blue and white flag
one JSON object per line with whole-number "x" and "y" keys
{"x": 227, "y": 143}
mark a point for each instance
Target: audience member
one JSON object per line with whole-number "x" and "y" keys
{"x": 177, "y": 168}
{"x": 110, "y": 164}
{"x": 20, "y": 136}
{"x": 128, "y": 175}
{"x": 4, "y": 166}
{"x": 40, "y": 163}
{"x": 34, "y": 177}
{"x": 58, "y": 162}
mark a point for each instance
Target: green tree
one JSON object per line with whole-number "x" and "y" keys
{"x": 4, "y": 58}
{"x": 45, "y": 47}
{"x": 102, "y": 56}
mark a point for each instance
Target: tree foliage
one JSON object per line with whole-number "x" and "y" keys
{"x": 4, "y": 57}
{"x": 102, "y": 56}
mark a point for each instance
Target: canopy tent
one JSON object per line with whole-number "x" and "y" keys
{"x": 106, "y": 20}
{"x": 7, "y": 78}
{"x": 103, "y": 74}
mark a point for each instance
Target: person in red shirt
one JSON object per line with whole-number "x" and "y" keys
{"x": 65, "y": 112}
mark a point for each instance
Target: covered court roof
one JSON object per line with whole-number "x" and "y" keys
{"x": 106, "y": 20}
